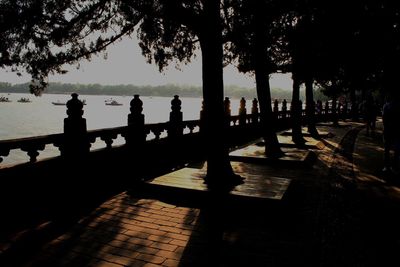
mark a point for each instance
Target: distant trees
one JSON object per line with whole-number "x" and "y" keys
{"x": 167, "y": 90}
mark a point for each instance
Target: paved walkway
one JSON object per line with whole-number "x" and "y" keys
{"x": 340, "y": 212}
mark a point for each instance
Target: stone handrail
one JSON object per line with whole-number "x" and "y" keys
{"x": 75, "y": 133}
{"x": 32, "y": 145}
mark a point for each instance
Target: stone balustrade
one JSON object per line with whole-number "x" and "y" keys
{"x": 76, "y": 140}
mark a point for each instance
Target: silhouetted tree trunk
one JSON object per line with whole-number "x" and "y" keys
{"x": 210, "y": 37}
{"x": 268, "y": 120}
{"x": 310, "y": 108}
{"x": 297, "y": 135}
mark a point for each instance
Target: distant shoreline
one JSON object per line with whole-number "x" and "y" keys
{"x": 168, "y": 90}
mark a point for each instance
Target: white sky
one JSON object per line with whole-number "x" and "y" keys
{"x": 126, "y": 65}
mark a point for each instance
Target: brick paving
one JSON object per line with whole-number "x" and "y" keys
{"x": 124, "y": 232}
{"x": 321, "y": 221}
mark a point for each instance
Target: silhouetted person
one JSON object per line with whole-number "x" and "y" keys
{"x": 391, "y": 133}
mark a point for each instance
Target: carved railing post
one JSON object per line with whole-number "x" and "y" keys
{"x": 76, "y": 143}
{"x": 175, "y": 128}
{"x": 242, "y": 111}
{"x": 254, "y": 111}
{"x": 276, "y": 108}
{"x": 227, "y": 111}
{"x": 284, "y": 108}
{"x": 136, "y": 131}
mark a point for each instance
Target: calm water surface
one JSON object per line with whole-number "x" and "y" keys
{"x": 41, "y": 117}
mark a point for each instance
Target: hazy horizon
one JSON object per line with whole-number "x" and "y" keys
{"x": 126, "y": 65}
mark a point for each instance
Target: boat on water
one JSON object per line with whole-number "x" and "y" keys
{"x": 24, "y": 100}
{"x": 59, "y": 103}
{"x": 113, "y": 103}
{"x": 4, "y": 99}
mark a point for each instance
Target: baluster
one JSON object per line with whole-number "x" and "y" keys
{"x": 108, "y": 138}
{"x": 254, "y": 111}
{"x": 32, "y": 150}
{"x": 175, "y": 128}
{"x": 136, "y": 130}
{"x": 76, "y": 143}
{"x": 157, "y": 130}
{"x": 248, "y": 119}
{"x": 191, "y": 126}
{"x": 234, "y": 120}
{"x": 242, "y": 111}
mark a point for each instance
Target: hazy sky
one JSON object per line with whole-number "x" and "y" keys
{"x": 126, "y": 65}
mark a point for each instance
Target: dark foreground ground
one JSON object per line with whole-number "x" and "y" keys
{"x": 342, "y": 211}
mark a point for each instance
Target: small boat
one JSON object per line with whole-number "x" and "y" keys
{"x": 58, "y": 103}
{"x": 113, "y": 103}
{"x": 24, "y": 100}
{"x": 4, "y": 99}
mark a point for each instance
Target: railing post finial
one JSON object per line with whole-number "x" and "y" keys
{"x": 254, "y": 111}
{"x": 76, "y": 143}
{"x": 175, "y": 128}
{"x": 242, "y": 111}
{"x": 136, "y": 130}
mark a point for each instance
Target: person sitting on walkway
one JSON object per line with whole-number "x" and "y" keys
{"x": 391, "y": 133}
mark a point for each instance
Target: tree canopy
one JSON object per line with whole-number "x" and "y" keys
{"x": 42, "y": 36}
{"x": 355, "y": 44}
{"x": 341, "y": 45}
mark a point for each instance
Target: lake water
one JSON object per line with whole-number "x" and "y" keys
{"x": 41, "y": 117}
